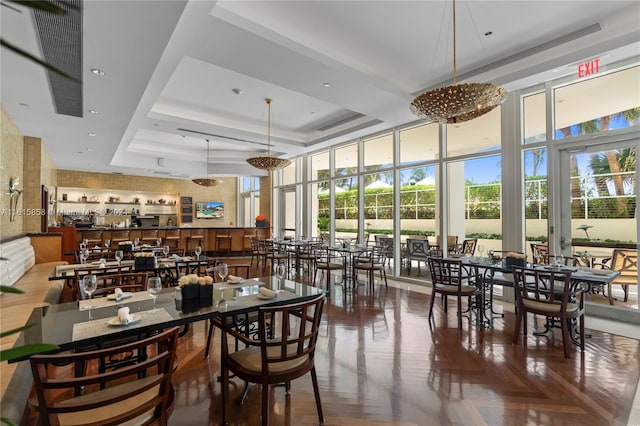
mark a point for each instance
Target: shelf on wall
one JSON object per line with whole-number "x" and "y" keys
{"x": 122, "y": 202}
{"x": 79, "y": 202}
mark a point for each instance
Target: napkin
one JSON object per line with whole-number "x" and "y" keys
{"x": 267, "y": 292}
{"x": 118, "y": 294}
{"x": 124, "y": 316}
{"x": 234, "y": 279}
{"x": 600, "y": 272}
{"x": 175, "y": 256}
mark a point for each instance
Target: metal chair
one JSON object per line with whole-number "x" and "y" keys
{"x": 548, "y": 293}
{"x": 449, "y": 278}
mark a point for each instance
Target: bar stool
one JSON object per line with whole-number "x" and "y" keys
{"x": 223, "y": 242}
{"x": 247, "y": 243}
{"x": 172, "y": 238}
{"x": 149, "y": 236}
{"x": 196, "y": 238}
{"x": 119, "y": 236}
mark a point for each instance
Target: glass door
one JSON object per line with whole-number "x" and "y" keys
{"x": 598, "y": 215}
{"x": 289, "y": 217}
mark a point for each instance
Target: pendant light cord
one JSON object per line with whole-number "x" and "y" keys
{"x": 269, "y": 127}
{"x": 454, "y": 42}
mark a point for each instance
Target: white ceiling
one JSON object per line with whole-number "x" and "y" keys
{"x": 170, "y": 67}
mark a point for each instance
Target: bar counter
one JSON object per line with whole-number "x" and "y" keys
{"x": 211, "y": 240}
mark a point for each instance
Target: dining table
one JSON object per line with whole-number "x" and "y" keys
{"x": 84, "y": 324}
{"x": 496, "y": 272}
{"x": 349, "y": 253}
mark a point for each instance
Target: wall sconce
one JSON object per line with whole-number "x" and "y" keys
{"x": 14, "y": 196}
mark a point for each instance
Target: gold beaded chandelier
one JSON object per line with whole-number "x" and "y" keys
{"x": 267, "y": 162}
{"x": 459, "y": 102}
{"x": 206, "y": 181}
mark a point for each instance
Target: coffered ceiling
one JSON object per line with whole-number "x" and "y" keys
{"x": 177, "y": 73}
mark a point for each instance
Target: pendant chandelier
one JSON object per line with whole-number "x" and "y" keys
{"x": 267, "y": 162}
{"x": 459, "y": 102}
{"x": 207, "y": 181}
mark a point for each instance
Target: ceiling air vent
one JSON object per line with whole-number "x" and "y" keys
{"x": 61, "y": 41}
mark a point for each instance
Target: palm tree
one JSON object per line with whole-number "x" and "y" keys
{"x": 616, "y": 163}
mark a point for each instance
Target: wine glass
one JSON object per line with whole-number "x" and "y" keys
{"x": 197, "y": 251}
{"x": 558, "y": 261}
{"x": 136, "y": 242}
{"x": 85, "y": 242}
{"x": 166, "y": 250}
{"x": 107, "y": 243}
{"x": 158, "y": 241}
{"x": 119, "y": 255}
{"x": 154, "y": 287}
{"x": 281, "y": 270}
{"x": 90, "y": 285}
{"x": 490, "y": 254}
{"x": 480, "y": 249}
{"x": 223, "y": 270}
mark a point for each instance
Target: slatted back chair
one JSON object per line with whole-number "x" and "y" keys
{"x": 284, "y": 350}
{"x": 198, "y": 267}
{"x": 371, "y": 261}
{"x": 450, "y": 278}
{"x": 139, "y": 393}
{"x": 548, "y": 293}
{"x": 327, "y": 260}
{"x": 127, "y": 281}
{"x": 98, "y": 272}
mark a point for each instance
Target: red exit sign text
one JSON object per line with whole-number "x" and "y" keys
{"x": 588, "y": 68}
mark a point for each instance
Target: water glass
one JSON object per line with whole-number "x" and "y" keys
{"x": 223, "y": 270}
{"x": 198, "y": 251}
{"x": 166, "y": 250}
{"x": 107, "y": 243}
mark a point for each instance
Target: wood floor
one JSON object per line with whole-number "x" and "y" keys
{"x": 379, "y": 363}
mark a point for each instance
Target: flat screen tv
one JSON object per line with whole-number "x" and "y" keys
{"x": 209, "y": 210}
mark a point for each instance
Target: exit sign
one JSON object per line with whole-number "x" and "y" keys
{"x": 588, "y": 68}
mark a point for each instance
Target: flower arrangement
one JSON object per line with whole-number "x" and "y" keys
{"x": 194, "y": 286}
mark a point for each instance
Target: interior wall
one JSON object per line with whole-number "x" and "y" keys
{"x": 226, "y": 191}
{"x": 11, "y": 160}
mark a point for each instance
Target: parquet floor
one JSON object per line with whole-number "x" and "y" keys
{"x": 379, "y": 363}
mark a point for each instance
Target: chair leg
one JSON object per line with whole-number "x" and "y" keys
{"x": 516, "y": 330}
{"x": 209, "y": 337}
{"x": 625, "y": 288}
{"x": 316, "y": 393}
{"x": 610, "y": 294}
{"x": 564, "y": 324}
{"x": 433, "y": 298}
{"x": 460, "y": 313}
{"x": 265, "y": 404}
{"x": 581, "y": 319}
{"x": 225, "y": 384}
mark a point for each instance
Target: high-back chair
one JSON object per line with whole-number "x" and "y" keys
{"x": 624, "y": 261}
{"x": 548, "y": 293}
{"x": 469, "y": 246}
{"x": 327, "y": 260}
{"x": 417, "y": 249}
{"x": 140, "y": 393}
{"x": 371, "y": 261}
{"x": 450, "y": 278}
{"x": 284, "y": 350}
{"x": 127, "y": 281}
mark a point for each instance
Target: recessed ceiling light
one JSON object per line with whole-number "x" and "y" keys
{"x": 91, "y": 149}
{"x": 80, "y": 152}
{"x": 326, "y": 84}
{"x": 488, "y": 33}
{"x": 237, "y": 91}
{"x": 91, "y": 134}
{"x": 97, "y": 71}
{"x": 23, "y": 104}
{"x": 93, "y": 111}
{"x": 155, "y": 124}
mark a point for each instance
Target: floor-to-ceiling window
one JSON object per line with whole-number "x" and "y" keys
{"x": 249, "y": 200}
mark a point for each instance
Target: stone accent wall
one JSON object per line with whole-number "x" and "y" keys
{"x": 31, "y": 184}
{"x": 11, "y": 159}
{"x": 226, "y": 191}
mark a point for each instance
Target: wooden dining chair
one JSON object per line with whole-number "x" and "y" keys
{"x": 624, "y": 261}
{"x": 139, "y": 393}
{"x": 450, "y": 278}
{"x": 548, "y": 293}
{"x": 284, "y": 351}
{"x": 80, "y": 273}
{"x": 127, "y": 281}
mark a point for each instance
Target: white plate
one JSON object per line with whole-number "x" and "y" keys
{"x": 263, "y": 297}
{"x": 116, "y": 321}
{"x": 125, "y": 295}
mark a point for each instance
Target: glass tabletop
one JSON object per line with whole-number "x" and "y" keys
{"x": 69, "y": 327}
